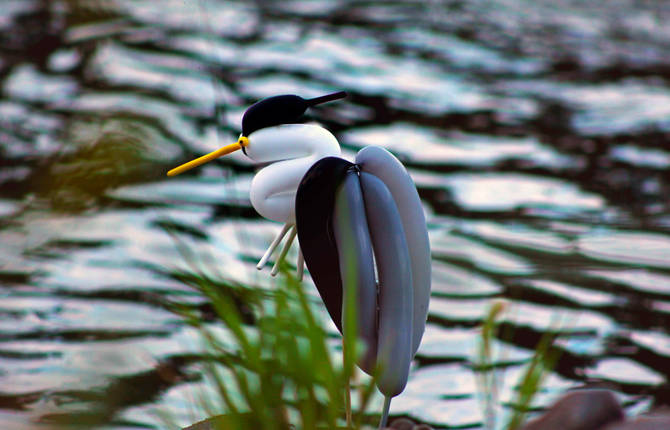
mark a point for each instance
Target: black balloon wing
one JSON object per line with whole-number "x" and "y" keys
{"x": 314, "y": 204}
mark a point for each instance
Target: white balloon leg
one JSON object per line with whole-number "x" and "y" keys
{"x": 284, "y": 251}
{"x": 273, "y": 245}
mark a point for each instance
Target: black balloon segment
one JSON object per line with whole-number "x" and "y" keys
{"x": 314, "y": 206}
{"x": 286, "y": 109}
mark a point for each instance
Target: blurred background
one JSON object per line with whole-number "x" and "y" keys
{"x": 537, "y": 133}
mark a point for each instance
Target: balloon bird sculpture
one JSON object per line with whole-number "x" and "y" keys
{"x": 360, "y": 227}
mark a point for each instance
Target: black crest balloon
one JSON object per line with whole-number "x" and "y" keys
{"x": 360, "y": 227}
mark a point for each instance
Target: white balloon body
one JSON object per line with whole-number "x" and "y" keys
{"x": 299, "y": 146}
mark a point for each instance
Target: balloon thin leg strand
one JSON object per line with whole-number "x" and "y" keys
{"x": 273, "y": 245}
{"x": 301, "y": 265}
{"x": 385, "y": 412}
{"x": 284, "y": 251}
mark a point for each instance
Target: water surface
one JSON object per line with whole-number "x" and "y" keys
{"x": 537, "y": 133}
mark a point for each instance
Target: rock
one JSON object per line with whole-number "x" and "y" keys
{"x": 580, "y": 410}
{"x": 406, "y": 424}
{"x": 650, "y": 422}
{"x": 401, "y": 424}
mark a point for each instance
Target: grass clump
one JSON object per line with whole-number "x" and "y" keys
{"x": 277, "y": 367}
{"x": 538, "y": 368}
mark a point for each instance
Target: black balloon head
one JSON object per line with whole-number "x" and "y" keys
{"x": 286, "y": 109}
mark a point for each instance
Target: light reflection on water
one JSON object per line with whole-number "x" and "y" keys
{"x": 541, "y": 158}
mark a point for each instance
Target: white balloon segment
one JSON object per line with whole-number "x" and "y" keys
{"x": 298, "y": 146}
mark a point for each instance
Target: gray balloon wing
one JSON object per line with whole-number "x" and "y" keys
{"x": 395, "y": 331}
{"x": 357, "y": 268}
{"x": 382, "y": 164}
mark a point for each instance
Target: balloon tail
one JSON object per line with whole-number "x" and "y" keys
{"x": 284, "y": 251}
{"x": 301, "y": 265}
{"x": 385, "y": 412}
{"x": 273, "y": 246}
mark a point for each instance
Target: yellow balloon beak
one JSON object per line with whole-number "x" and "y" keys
{"x": 242, "y": 142}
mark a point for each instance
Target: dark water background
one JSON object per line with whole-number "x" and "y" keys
{"x": 537, "y": 133}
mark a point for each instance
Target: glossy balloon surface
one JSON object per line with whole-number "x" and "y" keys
{"x": 394, "y": 347}
{"x": 315, "y": 203}
{"x": 283, "y": 109}
{"x": 392, "y": 173}
{"x": 342, "y": 216}
{"x": 361, "y": 230}
{"x": 298, "y": 146}
{"x": 357, "y": 266}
